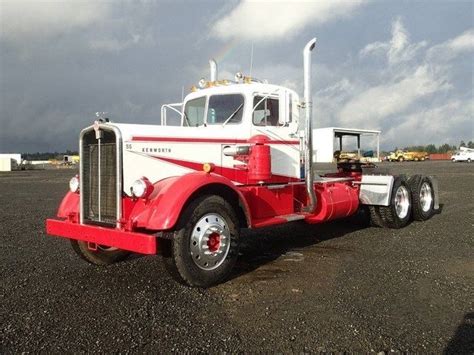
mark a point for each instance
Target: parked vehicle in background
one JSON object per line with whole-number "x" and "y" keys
{"x": 71, "y": 159}
{"x": 402, "y": 155}
{"x": 464, "y": 154}
{"x": 399, "y": 155}
{"x": 420, "y": 156}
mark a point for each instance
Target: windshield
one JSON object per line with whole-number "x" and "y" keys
{"x": 225, "y": 109}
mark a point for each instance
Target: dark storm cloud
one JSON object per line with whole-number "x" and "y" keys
{"x": 61, "y": 62}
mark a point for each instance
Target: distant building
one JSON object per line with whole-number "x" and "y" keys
{"x": 15, "y": 156}
{"x": 9, "y": 162}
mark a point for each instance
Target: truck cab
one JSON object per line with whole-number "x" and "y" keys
{"x": 217, "y": 124}
{"x": 248, "y": 110}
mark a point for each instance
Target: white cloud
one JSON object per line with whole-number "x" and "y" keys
{"x": 35, "y": 19}
{"x": 328, "y": 101}
{"x": 416, "y": 76}
{"x": 375, "y": 104}
{"x": 271, "y": 20}
{"x": 450, "y": 49}
{"x": 431, "y": 124}
{"x": 398, "y": 49}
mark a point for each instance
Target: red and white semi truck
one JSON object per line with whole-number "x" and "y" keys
{"x": 241, "y": 158}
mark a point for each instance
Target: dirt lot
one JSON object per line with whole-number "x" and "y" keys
{"x": 334, "y": 287}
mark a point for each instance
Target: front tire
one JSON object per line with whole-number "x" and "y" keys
{"x": 205, "y": 248}
{"x": 103, "y": 255}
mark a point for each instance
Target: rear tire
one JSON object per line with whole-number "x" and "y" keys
{"x": 422, "y": 195}
{"x": 375, "y": 218}
{"x": 398, "y": 213}
{"x": 205, "y": 247}
{"x": 102, "y": 256}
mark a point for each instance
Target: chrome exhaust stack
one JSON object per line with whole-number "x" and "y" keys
{"x": 213, "y": 67}
{"x": 308, "y": 132}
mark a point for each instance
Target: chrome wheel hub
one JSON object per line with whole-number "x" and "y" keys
{"x": 402, "y": 202}
{"x": 210, "y": 241}
{"x": 426, "y": 197}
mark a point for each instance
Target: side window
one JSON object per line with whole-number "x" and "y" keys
{"x": 265, "y": 112}
{"x": 194, "y": 112}
{"x": 225, "y": 109}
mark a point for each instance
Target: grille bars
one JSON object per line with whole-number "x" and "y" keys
{"x": 86, "y": 139}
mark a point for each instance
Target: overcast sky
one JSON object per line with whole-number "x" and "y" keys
{"x": 405, "y": 67}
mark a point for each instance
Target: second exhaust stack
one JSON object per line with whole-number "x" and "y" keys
{"x": 213, "y": 67}
{"x": 308, "y": 132}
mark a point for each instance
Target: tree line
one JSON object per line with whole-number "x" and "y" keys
{"x": 444, "y": 148}
{"x": 47, "y": 155}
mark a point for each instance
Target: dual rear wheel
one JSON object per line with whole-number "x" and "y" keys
{"x": 411, "y": 199}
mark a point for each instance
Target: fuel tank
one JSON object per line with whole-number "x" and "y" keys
{"x": 334, "y": 200}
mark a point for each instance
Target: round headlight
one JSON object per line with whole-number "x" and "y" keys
{"x": 74, "y": 184}
{"x": 142, "y": 188}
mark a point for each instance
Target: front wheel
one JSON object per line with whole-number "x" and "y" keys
{"x": 205, "y": 248}
{"x": 98, "y": 254}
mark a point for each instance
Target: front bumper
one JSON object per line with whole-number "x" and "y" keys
{"x": 136, "y": 242}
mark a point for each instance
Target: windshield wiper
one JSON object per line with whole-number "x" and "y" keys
{"x": 233, "y": 114}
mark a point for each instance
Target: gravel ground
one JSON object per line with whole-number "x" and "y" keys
{"x": 297, "y": 288}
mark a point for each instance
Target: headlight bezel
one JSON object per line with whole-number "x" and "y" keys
{"x": 141, "y": 188}
{"x": 74, "y": 184}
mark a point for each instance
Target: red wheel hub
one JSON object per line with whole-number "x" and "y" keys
{"x": 214, "y": 242}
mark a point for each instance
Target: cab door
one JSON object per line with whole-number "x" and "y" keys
{"x": 274, "y": 117}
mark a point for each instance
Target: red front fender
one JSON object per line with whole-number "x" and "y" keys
{"x": 69, "y": 207}
{"x": 164, "y": 206}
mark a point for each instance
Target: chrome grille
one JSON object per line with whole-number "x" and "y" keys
{"x": 99, "y": 178}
